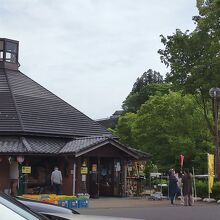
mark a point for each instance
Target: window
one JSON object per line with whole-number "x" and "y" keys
{"x": 10, "y": 57}
{"x": 11, "y": 47}
{"x": 1, "y": 45}
{"x": 11, "y": 52}
{"x": 1, "y": 50}
{"x": 1, "y": 55}
{"x": 8, "y": 51}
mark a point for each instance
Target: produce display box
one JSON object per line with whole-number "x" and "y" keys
{"x": 61, "y": 200}
{"x": 83, "y": 203}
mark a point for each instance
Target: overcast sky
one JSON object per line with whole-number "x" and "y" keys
{"x": 90, "y": 52}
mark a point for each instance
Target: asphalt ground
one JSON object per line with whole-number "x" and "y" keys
{"x": 126, "y": 202}
{"x": 143, "y": 208}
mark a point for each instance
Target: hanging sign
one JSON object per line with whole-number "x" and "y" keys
{"x": 26, "y": 169}
{"x": 84, "y": 170}
{"x": 84, "y": 178}
{"x": 94, "y": 168}
{"x": 117, "y": 167}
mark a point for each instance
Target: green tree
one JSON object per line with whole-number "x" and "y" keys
{"x": 134, "y": 101}
{"x": 194, "y": 58}
{"x": 124, "y": 128}
{"x": 149, "y": 84}
{"x": 147, "y": 78}
{"x": 170, "y": 125}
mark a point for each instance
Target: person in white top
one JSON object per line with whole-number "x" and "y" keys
{"x": 179, "y": 184}
{"x": 56, "y": 180}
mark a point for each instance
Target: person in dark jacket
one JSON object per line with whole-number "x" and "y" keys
{"x": 187, "y": 187}
{"x": 173, "y": 187}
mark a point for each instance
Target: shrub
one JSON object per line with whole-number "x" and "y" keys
{"x": 216, "y": 190}
{"x": 202, "y": 189}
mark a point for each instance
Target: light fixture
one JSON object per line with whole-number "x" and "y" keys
{"x": 20, "y": 159}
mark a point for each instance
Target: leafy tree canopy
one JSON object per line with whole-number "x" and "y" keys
{"x": 124, "y": 128}
{"x": 167, "y": 126}
{"x": 194, "y": 58}
{"x": 147, "y": 78}
{"x": 149, "y": 84}
{"x": 134, "y": 101}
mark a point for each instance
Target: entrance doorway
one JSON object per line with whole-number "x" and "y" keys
{"x": 105, "y": 177}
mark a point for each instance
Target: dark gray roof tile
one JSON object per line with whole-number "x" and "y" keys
{"x": 61, "y": 146}
{"x": 11, "y": 145}
{"x": 9, "y": 120}
{"x": 45, "y": 145}
{"x": 28, "y": 107}
{"x": 82, "y": 143}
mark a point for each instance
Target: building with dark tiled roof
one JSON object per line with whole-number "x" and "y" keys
{"x": 111, "y": 121}
{"x": 38, "y": 131}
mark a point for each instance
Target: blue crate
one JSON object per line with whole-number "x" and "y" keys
{"x": 83, "y": 203}
{"x": 73, "y": 203}
{"x": 63, "y": 203}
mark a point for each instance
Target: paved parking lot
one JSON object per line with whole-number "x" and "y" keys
{"x": 126, "y": 202}
{"x": 142, "y": 208}
{"x": 135, "y": 202}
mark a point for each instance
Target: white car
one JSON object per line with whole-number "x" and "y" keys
{"x": 53, "y": 212}
{"x": 65, "y": 216}
{"x": 13, "y": 209}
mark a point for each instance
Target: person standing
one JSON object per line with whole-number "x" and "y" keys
{"x": 179, "y": 184}
{"x": 56, "y": 180}
{"x": 173, "y": 187}
{"x": 187, "y": 187}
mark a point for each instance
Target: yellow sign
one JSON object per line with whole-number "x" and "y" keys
{"x": 84, "y": 170}
{"x": 211, "y": 171}
{"x": 26, "y": 169}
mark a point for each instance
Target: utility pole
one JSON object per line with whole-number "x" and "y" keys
{"x": 215, "y": 94}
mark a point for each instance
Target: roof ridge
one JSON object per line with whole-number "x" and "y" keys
{"x": 91, "y": 137}
{"x": 133, "y": 148}
{"x": 15, "y": 103}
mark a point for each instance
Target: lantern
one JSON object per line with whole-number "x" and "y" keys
{"x": 20, "y": 159}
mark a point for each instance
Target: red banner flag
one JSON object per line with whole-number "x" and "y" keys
{"x": 181, "y": 160}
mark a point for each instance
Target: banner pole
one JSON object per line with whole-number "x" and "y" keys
{"x": 194, "y": 183}
{"x": 208, "y": 176}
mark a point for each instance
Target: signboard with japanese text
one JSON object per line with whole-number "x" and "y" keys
{"x": 84, "y": 170}
{"x": 26, "y": 169}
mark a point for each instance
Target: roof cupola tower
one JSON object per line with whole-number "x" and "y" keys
{"x": 9, "y": 54}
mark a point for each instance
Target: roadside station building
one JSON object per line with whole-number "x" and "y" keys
{"x": 38, "y": 130}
